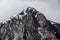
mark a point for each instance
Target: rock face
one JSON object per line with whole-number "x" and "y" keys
{"x": 30, "y": 24}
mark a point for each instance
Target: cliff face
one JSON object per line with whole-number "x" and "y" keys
{"x": 30, "y": 24}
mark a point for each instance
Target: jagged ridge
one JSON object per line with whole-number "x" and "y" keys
{"x": 30, "y": 24}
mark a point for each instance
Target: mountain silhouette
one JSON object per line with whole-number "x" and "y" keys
{"x": 29, "y": 24}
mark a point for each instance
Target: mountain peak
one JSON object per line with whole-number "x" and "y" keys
{"x": 30, "y": 24}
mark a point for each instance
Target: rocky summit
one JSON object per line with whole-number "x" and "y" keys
{"x": 29, "y": 24}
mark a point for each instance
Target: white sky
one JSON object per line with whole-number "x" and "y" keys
{"x": 50, "y": 8}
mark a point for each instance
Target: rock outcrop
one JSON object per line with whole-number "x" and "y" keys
{"x": 30, "y": 24}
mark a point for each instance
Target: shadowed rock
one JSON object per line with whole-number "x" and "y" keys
{"x": 30, "y": 24}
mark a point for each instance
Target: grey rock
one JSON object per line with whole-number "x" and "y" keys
{"x": 30, "y": 24}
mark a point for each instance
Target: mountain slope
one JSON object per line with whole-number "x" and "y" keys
{"x": 30, "y": 24}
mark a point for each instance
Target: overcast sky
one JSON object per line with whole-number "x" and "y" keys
{"x": 50, "y": 8}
